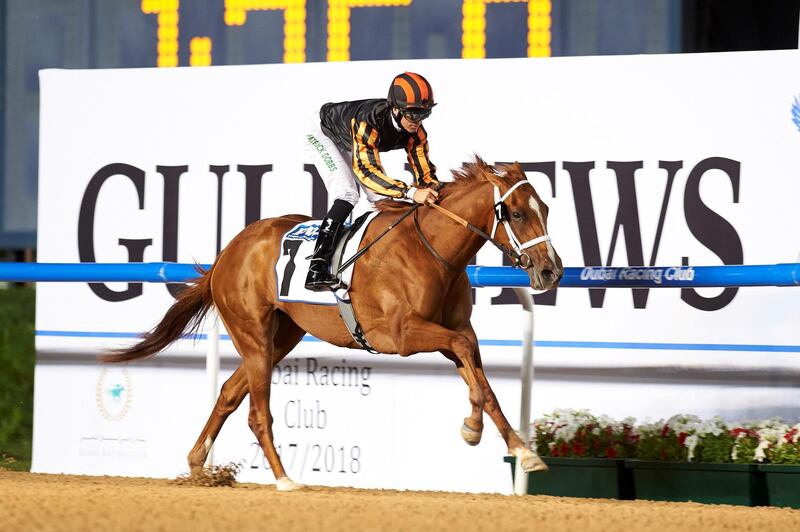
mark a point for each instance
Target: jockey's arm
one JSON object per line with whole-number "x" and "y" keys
{"x": 367, "y": 163}
{"x": 417, "y": 150}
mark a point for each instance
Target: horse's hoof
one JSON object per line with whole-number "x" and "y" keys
{"x": 531, "y": 462}
{"x": 287, "y": 484}
{"x": 472, "y": 437}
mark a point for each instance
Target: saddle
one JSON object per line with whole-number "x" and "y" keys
{"x": 291, "y": 271}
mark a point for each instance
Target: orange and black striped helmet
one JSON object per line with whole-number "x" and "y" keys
{"x": 411, "y": 91}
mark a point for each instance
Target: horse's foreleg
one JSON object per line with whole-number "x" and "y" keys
{"x": 419, "y": 335}
{"x": 529, "y": 460}
{"x": 230, "y": 397}
{"x": 472, "y": 429}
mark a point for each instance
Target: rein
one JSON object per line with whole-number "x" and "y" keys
{"x": 355, "y": 257}
{"x": 516, "y": 258}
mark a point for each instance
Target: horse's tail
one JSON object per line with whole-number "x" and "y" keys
{"x": 183, "y": 317}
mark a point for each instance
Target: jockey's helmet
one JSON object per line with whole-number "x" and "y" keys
{"x": 412, "y": 94}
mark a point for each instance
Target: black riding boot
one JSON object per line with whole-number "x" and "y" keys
{"x": 319, "y": 275}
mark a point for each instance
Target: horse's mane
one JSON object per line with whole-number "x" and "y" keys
{"x": 468, "y": 175}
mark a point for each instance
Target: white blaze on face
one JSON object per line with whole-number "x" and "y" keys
{"x": 536, "y": 207}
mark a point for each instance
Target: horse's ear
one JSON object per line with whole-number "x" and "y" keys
{"x": 493, "y": 177}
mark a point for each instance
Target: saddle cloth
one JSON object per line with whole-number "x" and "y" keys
{"x": 297, "y": 246}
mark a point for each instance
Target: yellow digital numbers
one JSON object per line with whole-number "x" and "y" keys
{"x": 200, "y": 51}
{"x": 339, "y": 24}
{"x": 167, "y": 11}
{"x": 473, "y": 27}
{"x": 294, "y": 22}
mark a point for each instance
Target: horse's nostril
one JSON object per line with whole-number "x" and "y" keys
{"x": 549, "y": 277}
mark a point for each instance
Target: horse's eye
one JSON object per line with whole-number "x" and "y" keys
{"x": 516, "y": 215}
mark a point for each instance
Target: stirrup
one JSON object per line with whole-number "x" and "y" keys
{"x": 340, "y": 284}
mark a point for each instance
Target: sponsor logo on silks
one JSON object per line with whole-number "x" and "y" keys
{"x": 113, "y": 393}
{"x": 303, "y": 232}
{"x": 653, "y": 275}
{"x": 796, "y": 112}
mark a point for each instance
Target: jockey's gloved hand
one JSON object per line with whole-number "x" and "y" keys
{"x": 425, "y": 196}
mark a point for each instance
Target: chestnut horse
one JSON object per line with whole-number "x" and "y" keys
{"x": 407, "y": 300}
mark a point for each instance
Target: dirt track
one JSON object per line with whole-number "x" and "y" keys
{"x": 61, "y": 502}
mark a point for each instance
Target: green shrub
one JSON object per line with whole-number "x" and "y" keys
{"x": 714, "y": 448}
{"x": 17, "y": 360}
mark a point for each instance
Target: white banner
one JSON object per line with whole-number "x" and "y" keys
{"x": 646, "y": 160}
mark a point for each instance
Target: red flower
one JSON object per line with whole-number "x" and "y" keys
{"x": 750, "y": 433}
{"x": 665, "y": 431}
{"x": 563, "y": 449}
{"x": 611, "y": 452}
{"x": 789, "y": 435}
{"x": 682, "y": 437}
{"x": 578, "y": 449}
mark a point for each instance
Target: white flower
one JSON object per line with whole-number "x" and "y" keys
{"x": 690, "y": 443}
{"x": 759, "y": 454}
{"x": 683, "y": 423}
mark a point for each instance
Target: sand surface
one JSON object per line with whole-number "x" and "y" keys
{"x": 64, "y": 502}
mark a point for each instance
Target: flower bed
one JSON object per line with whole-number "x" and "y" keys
{"x": 682, "y": 458}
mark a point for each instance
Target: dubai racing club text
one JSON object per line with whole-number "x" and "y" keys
{"x": 307, "y": 453}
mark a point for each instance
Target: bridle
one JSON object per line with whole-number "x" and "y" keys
{"x": 517, "y": 254}
{"x": 501, "y": 215}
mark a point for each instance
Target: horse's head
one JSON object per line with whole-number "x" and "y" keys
{"x": 523, "y": 216}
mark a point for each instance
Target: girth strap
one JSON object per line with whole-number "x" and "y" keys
{"x": 341, "y": 291}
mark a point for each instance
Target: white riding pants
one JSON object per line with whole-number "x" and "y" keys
{"x": 334, "y": 167}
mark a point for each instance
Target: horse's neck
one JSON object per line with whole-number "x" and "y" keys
{"x": 455, "y": 243}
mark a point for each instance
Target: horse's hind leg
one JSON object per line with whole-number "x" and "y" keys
{"x": 254, "y": 339}
{"x": 235, "y": 389}
{"x": 230, "y": 397}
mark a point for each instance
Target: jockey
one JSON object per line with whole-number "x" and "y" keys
{"x": 359, "y": 130}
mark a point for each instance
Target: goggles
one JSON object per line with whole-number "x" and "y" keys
{"x": 416, "y": 115}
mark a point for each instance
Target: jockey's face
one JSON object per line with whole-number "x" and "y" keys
{"x": 410, "y": 121}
